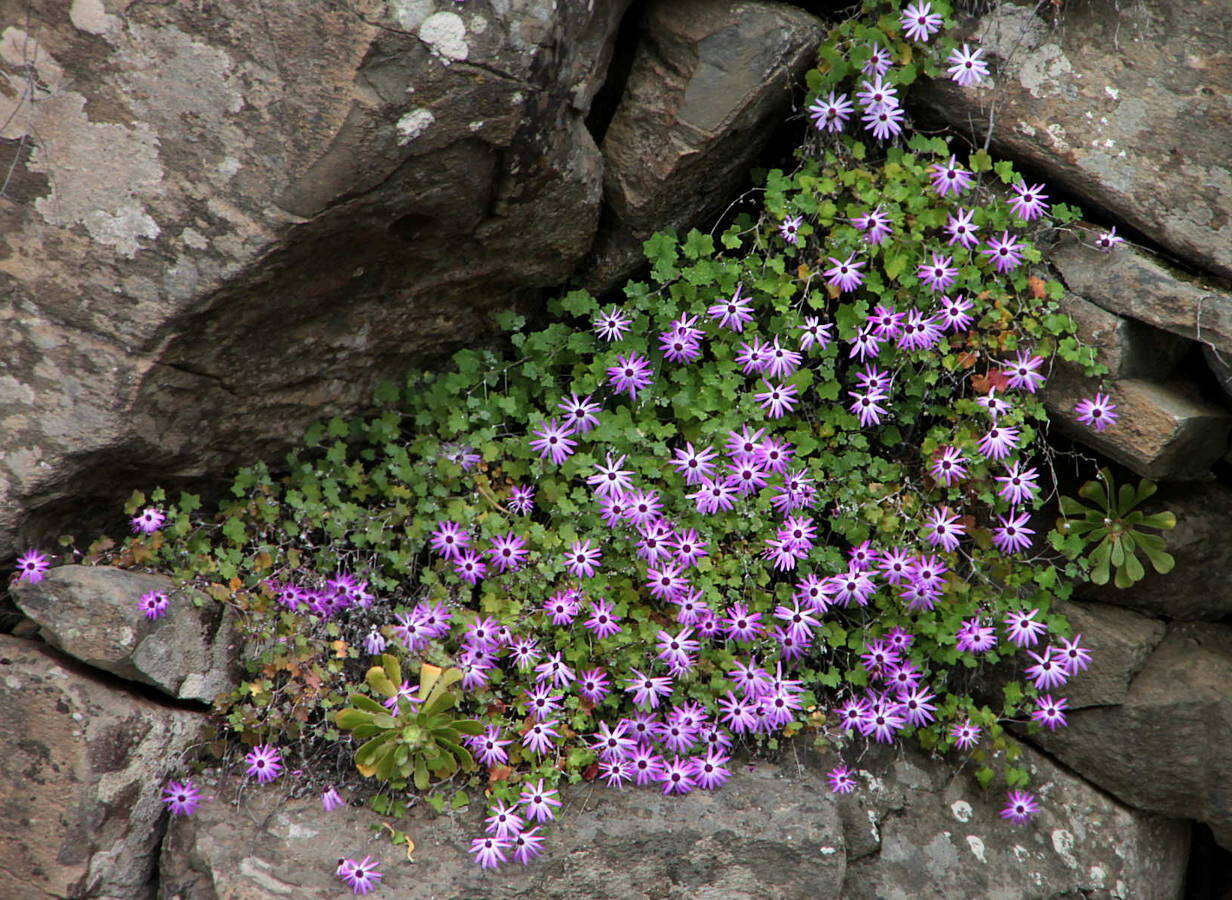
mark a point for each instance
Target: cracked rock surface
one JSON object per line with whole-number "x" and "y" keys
{"x": 247, "y": 215}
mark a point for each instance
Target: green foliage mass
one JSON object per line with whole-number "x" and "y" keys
{"x": 362, "y": 495}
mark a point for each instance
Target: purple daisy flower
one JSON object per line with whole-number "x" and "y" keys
{"x": 148, "y": 521}
{"x": 1048, "y": 672}
{"x": 527, "y": 845}
{"x": 1028, "y": 202}
{"x": 32, "y": 566}
{"x": 331, "y": 800}
{"x": 1108, "y": 240}
{"x": 920, "y": 22}
{"x": 845, "y": 275}
{"x": 648, "y": 690}
{"x": 962, "y": 230}
{"x": 508, "y": 552}
{"x": 950, "y": 178}
{"x": 469, "y": 567}
{"x": 579, "y": 412}
{"x": 944, "y": 529}
{"x": 630, "y": 375}
{"x": 1023, "y": 372}
{"x": 780, "y": 361}
{"x": 552, "y": 441}
{"x": 967, "y": 66}
{"x": 679, "y": 347}
{"x": 875, "y": 225}
{"x": 831, "y": 112}
{"x": 687, "y": 547}
{"x": 752, "y": 356}
{"x": 841, "y": 779}
{"x": 593, "y": 685}
{"x": 884, "y": 122}
{"x": 1017, "y": 484}
{"x": 264, "y": 763}
{"x": 965, "y": 734}
{"x": 503, "y": 820}
{"x": 867, "y": 407}
{"x": 1020, "y": 806}
{"x": 583, "y": 559}
{"x": 949, "y": 466}
{"x": 562, "y": 607}
{"x": 490, "y": 851}
{"x": 694, "y": 465}
{"x": 973, "y": 636}
{"x": 521, "y": 499}
{"x": 1050, "y": 712}
{"x": 1012, "y": 534}
{"x": 540, "y": 802}
{"x": 955, "y": 313}
{"x": 877, "y": 94}
{"x": 538, "y": 738}
{"x": 939, "y": 274}
{"x": 710, "y": 771}
{"x": 488, "y": 746}
{"x": 1004, "y": 252}
{"x": 1098, "y": 412}
{"x": 998, "y": 442}
{"x": 181, "y": 797}
{"x": 777, "y": 399}
{"x": 610, "y": 480}
{"x": 733, "y": 313}
{"x": 361, "y": 877}
{"x": 677, "y": 776}
{"x": 450, "y": 540}
{"x": 994, "y": 405}
{"x": 603, "y": 619}
{"x": 612, "y": 325}
{"x": 1022, "y": 628}
{"x": 789, "y": 230}
{"x": 814, "y": 334}
{"x": 153, "y": 604}
{"x": 879, "y": 61}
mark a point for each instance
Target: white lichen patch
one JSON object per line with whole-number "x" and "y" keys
{"x": 91, "y": 17}
{"x": 413, "y": 124}
{"x": 977, "y": 848}
{"x": 961, "y": 810}
{"x": 1063, "y": 844}
{"x": 445, "y": 34}
{"x": 1112, "y": 92}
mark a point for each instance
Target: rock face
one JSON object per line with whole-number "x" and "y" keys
{"x": 1133, "y": 282}
{"x": 1120, "y": 642}
{"x": 773, "y": 831}
{"x": 710, "y": 80}
{"x": 80, "y": 779}
{"x": 1164, "y": 748}
{"x": 931, "y": 833}
{"x": 1122, "y": 104}
{"x": 221, "y": 226}
{"x": 91, "y": 614}
{"x": 1166, "y": 429}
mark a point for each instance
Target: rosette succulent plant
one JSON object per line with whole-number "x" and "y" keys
{"x": 414, "y": 736}
{"x": 1114, "y": 525}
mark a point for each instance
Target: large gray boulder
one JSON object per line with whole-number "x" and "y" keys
{"x": 91, "y": 613}
{"x": 82, "y": 768}
{"x": 709, "y": 82}
{"x": 1126, "y": 105}
{"x": 221, "y": 223}
{"x": 917, "y": 829}
{"x": 1165, "y": 747}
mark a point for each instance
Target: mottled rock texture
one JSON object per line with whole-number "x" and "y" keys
{"x": 225, "y": 221}
{"x": 81, "y": 772}
{"x": 1127, "y": 105}
{"x": 90, "y": 612}
{"x": 916, "y": 829}
{"x": 709, "y": 82}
